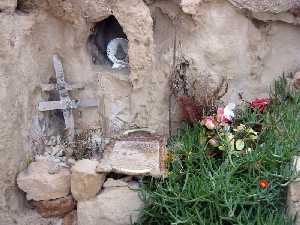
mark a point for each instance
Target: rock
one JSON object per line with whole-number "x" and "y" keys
{"x": 85, "y": 182}
{"x": 113, "y": 206}
{"x": 114, "y": 183}
{"x": 190, "y": 6}
{"x": 40, "y": 185}
{"x": 293, "y": 194}
{"x": 137, "y": 154}
{"x": 71, "y": 161}
{"x": 54, "y": 208}
{"x": 70, "y": 218}
{"x": 8, "y": 5}
{"x": 293, "y": 200}
{"x": 104, "y": 167}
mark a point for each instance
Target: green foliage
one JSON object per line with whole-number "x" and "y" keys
{"x": 200, "y": 189}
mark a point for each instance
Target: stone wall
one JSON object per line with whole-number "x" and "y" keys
{"x": 216, "y": 38}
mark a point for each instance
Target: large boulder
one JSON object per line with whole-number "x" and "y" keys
{"x": 39, "y": 184}
{"x": 113, "y": 206}
{"x": 85, "y": 182}
{"x": 55, "y": 208}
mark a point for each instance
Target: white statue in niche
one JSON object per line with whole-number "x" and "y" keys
{"x": 117, "y": 53}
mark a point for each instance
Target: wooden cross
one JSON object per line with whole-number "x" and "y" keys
{"x": 66, "y": 104}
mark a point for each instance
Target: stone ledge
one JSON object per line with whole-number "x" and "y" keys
{"x": 137, "y": 153}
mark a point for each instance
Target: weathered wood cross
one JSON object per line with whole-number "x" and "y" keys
{"x": 66, "y": 104}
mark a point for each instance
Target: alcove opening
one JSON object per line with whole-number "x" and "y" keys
{"x": 102, "y": 33}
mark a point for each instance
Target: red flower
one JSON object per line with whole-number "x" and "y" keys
{"x": 260, "y": 103}
{"x": 264, "y": 184}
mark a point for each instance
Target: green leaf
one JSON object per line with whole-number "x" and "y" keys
{"x": 253, "y": 137}
{"x": 240, "y": 145}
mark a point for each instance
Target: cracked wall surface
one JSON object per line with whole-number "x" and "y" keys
{"x": 217, "y": 39}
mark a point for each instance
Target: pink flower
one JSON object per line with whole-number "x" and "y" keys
{"x": 225, "y": 115}
{"x": 209, "y": 122}
{"x": 260, "y": 103}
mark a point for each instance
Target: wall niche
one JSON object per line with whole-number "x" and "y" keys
{"x": 108, "y": 44}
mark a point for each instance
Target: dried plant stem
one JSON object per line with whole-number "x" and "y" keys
{"x": 171, "y": 80}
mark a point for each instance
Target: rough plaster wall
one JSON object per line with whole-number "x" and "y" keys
{"x": 216, "y": 38}
{"x": 220, "y": 41}
{"x": 19, "y": 75}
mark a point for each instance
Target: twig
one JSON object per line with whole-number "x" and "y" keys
{"x": 171, "y": 79}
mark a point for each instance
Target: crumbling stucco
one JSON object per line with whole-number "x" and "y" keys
{"x": 270, "y": 6}
{"x": 215, "y": 40}
{"x": 271, "y": 10}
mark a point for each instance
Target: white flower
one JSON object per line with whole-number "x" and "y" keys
{"x": 228, "y": 110}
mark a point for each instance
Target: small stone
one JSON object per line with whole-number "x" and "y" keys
{"x": 133, "y": 185}
{"x": 40, "y": 185}
{"x": 70, "y": 218}
{"x": 71, "y": 161}
{"x": 190, "y": 6}
{"x": 55, "y": 150}
{"x": 113, "y": 206}
{"x": 114, "y": 183}
{"x": 56, "y": 208}
{"x": 85, "y": 182}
